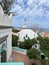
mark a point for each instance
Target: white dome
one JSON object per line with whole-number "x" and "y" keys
{"x": 25, "y": 34}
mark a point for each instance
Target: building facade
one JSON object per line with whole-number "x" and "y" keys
{"x": 5, "y": 36}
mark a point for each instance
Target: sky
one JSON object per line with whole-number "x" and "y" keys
{"x": 36, "y": 13}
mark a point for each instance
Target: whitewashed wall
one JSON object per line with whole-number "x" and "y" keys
{"x": 5, "y": 20}
{"x": 31, "y": 34}
{"x": 4, "y": 32}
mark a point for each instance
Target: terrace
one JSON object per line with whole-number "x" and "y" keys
{"x": 17, "y": 57}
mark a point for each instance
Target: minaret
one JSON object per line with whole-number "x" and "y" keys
{"x": 24, "y": 25}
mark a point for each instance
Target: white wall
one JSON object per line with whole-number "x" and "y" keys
{"x": 4, "y": 32}
{"x": 5, "y": 20}
{"x": 31, "y": 34}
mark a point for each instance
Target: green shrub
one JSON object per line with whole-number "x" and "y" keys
{"x": 27, "y": 44}
{"x": 44, "y": 46}
{"x": 33, "y": 53}
{"x": 15, "y": 30}
{"x": 14, "y": 40}
{"x": 34, "y": 41}
{"x": 22, "y": 45}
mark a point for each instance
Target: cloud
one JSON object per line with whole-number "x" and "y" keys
{"x": 31, "y": 8}
{"x": 47, "y": 15}
{"x": 44, "y": 2}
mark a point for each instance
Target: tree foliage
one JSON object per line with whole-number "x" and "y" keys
{"x": 15, "y": 30}
{"x": 44, "y": 45}
{"x": 27, "y": 44}
{"x": 33, "y": 53}
{"x": 14, "y": 40}
{"x": 22, "y": 45}
{"x": 6, "y": 4}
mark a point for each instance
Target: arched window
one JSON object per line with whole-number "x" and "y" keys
{"x": 24, "y": 38}
{"x": 35, "y": 45}
{"x": 26, "y": 35}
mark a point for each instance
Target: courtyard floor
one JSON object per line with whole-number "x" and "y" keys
{"x": 17, "y": 57}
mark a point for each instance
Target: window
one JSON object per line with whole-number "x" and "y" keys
{"x": 3, "y": 41}
{"x": 3, "y": 47}
{"x": 26, "y": 35}
{"x": 35, "y": 45}
{"x": 24, "y": 38}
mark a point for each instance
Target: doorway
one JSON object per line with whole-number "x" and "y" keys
{"x": 3, "y": 53}
{"x": 3, "y": 48}
{"x": 3, "y": 56}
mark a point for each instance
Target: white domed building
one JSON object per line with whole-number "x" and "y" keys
{"x": 26, "y": 33}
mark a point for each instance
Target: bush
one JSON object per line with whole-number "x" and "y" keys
{"x": 44, "y": 45}
{"x": 15, "y": 30}
{"x": 14, "y": 40}
{"x": 33, "y": 53}
{"x": 27, "y": 44}
{"x": 22, "y": 45}
{"x": 33, "y": 41}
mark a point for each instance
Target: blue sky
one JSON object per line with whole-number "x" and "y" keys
{"x": 36, "y": 13}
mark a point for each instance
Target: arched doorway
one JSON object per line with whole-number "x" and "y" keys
{"x": 3, "y": 53}
{"x": 3, "y": 47}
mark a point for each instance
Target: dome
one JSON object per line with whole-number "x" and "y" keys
{"x": 25, "y": 34}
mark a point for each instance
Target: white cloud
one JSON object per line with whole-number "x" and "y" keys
{"x": 26, "y": 12}
{"x": 47, "y": 15}
{"x": 34, "y": 8}
{"x": 20, "y": 1}
{"x": 44, "y": 2}
{"x": 17, "y": 9}
{"x": 30, "y": 2}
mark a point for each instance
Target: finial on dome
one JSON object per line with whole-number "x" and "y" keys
{"x": 24, "y": 25}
